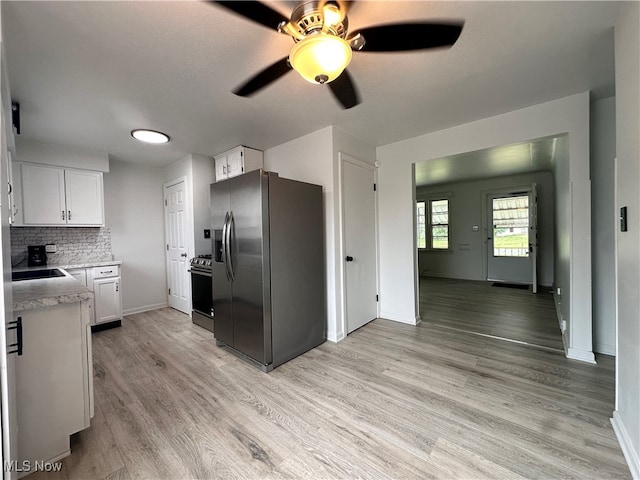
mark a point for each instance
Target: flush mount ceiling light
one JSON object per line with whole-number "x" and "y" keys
{"x": 324, "y": 46}
{"x": 150, "y": 136}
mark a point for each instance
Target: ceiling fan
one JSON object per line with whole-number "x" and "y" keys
{"x": 323, "y": 45}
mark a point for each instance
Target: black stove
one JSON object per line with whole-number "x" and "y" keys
{"x": 202, "y": 263}
{"x": 201, "y": 291}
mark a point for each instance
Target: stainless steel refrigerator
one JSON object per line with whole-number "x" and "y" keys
{"x": 268, "y": 284}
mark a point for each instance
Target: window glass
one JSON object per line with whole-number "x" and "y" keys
{"x": 511, "y": 226}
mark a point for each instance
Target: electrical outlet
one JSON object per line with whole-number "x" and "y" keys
{"x": 51, "y": 248}
{"x": 563, "y": 325}
{"x": 558, "y": 291}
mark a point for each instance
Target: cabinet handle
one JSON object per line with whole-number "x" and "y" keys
{"x": 224, "y": 169}
{"x": 105, "y": 272}
{"x": 117, "y": 286}
{"x": 68, "y": 214}
{"x": 63, "y": 215}
{"x": 17, "y": 326}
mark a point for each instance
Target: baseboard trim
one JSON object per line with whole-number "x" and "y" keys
{"x": 581, "y": 355}
{"x": 145, "y": 308}
{"x": 630, "y": 454}
{"x": 605, "y": 349}
{"x": 335, "y": 338}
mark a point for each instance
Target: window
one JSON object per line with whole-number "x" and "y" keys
{"x": 511, "y": 226}
{"x": 433, "y": 224}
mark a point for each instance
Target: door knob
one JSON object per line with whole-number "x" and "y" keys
{"x": 183, "y": 255}
{"x": 349, "y": 258}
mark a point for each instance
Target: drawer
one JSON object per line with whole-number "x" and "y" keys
{"x": 106, "y": 271}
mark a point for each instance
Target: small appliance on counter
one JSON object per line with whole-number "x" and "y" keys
{"x": 36, "y": 256}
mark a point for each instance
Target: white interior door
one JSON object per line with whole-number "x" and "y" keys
{"x": 176, "y": 222}
{"x": 510, "y": 237}
{"x": 359, "y": 226}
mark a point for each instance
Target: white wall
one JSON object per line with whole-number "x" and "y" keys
{"x": 60, "y": 155}
{"x": 603, "y": 224}
{"x": 309, "y": 159}
{"x": 626, "y": 418}
{"x": 204, "y": 174}
{"x": 134, "y": 213}
{"x": 398, "y": 277}
{"x": 466, "y": 205}
{"x": 313, "y": 158}
{"x": 564, "y": 219}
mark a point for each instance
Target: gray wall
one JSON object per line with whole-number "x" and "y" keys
{"x": 603, "y": 224}
{"x": 467, "y": 259}
{"x": 626, "y": 418}
{"x": 134, "y": 212}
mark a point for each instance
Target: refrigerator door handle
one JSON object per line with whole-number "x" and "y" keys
{"x": 225, "y": 247}
{"x": 230, "y": 230}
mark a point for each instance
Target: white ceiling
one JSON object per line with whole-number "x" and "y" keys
{"x": 533, "y": 156}
{"x": 87, "y": 73}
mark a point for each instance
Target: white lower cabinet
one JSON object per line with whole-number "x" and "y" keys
{"x": 108, "y": 303}
{"x": 54, "y": 380}
{"x": 104, "y": 281}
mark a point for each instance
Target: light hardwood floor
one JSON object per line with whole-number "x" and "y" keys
{"x": 390, "y": 401}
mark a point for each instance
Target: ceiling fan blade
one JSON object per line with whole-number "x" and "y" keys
{"x": 408, "y": 36}
{"x": 264, "y": 78}
{"x": 255, "y": 11}
{"x": 345, "y": 91}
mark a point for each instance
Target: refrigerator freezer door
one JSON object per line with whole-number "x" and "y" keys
{"x": 221, "y": 285}
{"x": 249, "y": 255}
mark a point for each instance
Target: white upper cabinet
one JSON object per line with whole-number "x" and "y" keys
{"x": 84, "y": 197}
{"x": 58, "y": 196}
{"x": 237, "y": 161}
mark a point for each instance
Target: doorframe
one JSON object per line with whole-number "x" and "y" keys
{"x": 485, "y": 220}
{"x": 189, "y": 226}
{"x": 341, "y": 323}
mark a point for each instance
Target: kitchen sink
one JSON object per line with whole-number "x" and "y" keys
{"x": 36, "y": 274}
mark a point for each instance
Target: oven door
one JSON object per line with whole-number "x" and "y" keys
{"x": 201, "y": 298}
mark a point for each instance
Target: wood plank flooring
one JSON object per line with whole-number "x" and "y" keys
{"x": 390, "y": 401}
{"x": 498, "y": 311}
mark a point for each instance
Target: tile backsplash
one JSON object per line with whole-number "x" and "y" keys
{"x": 73, "y": 244}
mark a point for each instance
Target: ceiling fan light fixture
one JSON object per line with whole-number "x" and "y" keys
{"x": 320, "y": 58}
{"x": 332, "y": 14}
{"x": 150, "y": 136}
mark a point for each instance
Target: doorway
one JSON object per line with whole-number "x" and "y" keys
{"x": 359, "y": 231}
{"x": 176, "y": 211}
{"x": 512, "y": 233}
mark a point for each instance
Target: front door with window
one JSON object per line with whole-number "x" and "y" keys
{"x": 511, "y": 237}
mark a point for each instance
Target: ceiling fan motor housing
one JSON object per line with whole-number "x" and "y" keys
{"x": 308, "y": 18}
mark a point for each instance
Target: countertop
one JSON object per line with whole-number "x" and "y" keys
{"x": 47, "y": 292}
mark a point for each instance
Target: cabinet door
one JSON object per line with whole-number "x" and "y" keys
{"x": 235, "y": 163}
{"x": 84, "y": 197}
{"x": 107, "y": 300}
{"x": 43, "y": 200}
{"x": 221, "y": 167}
{"x": 50, "y": 381}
